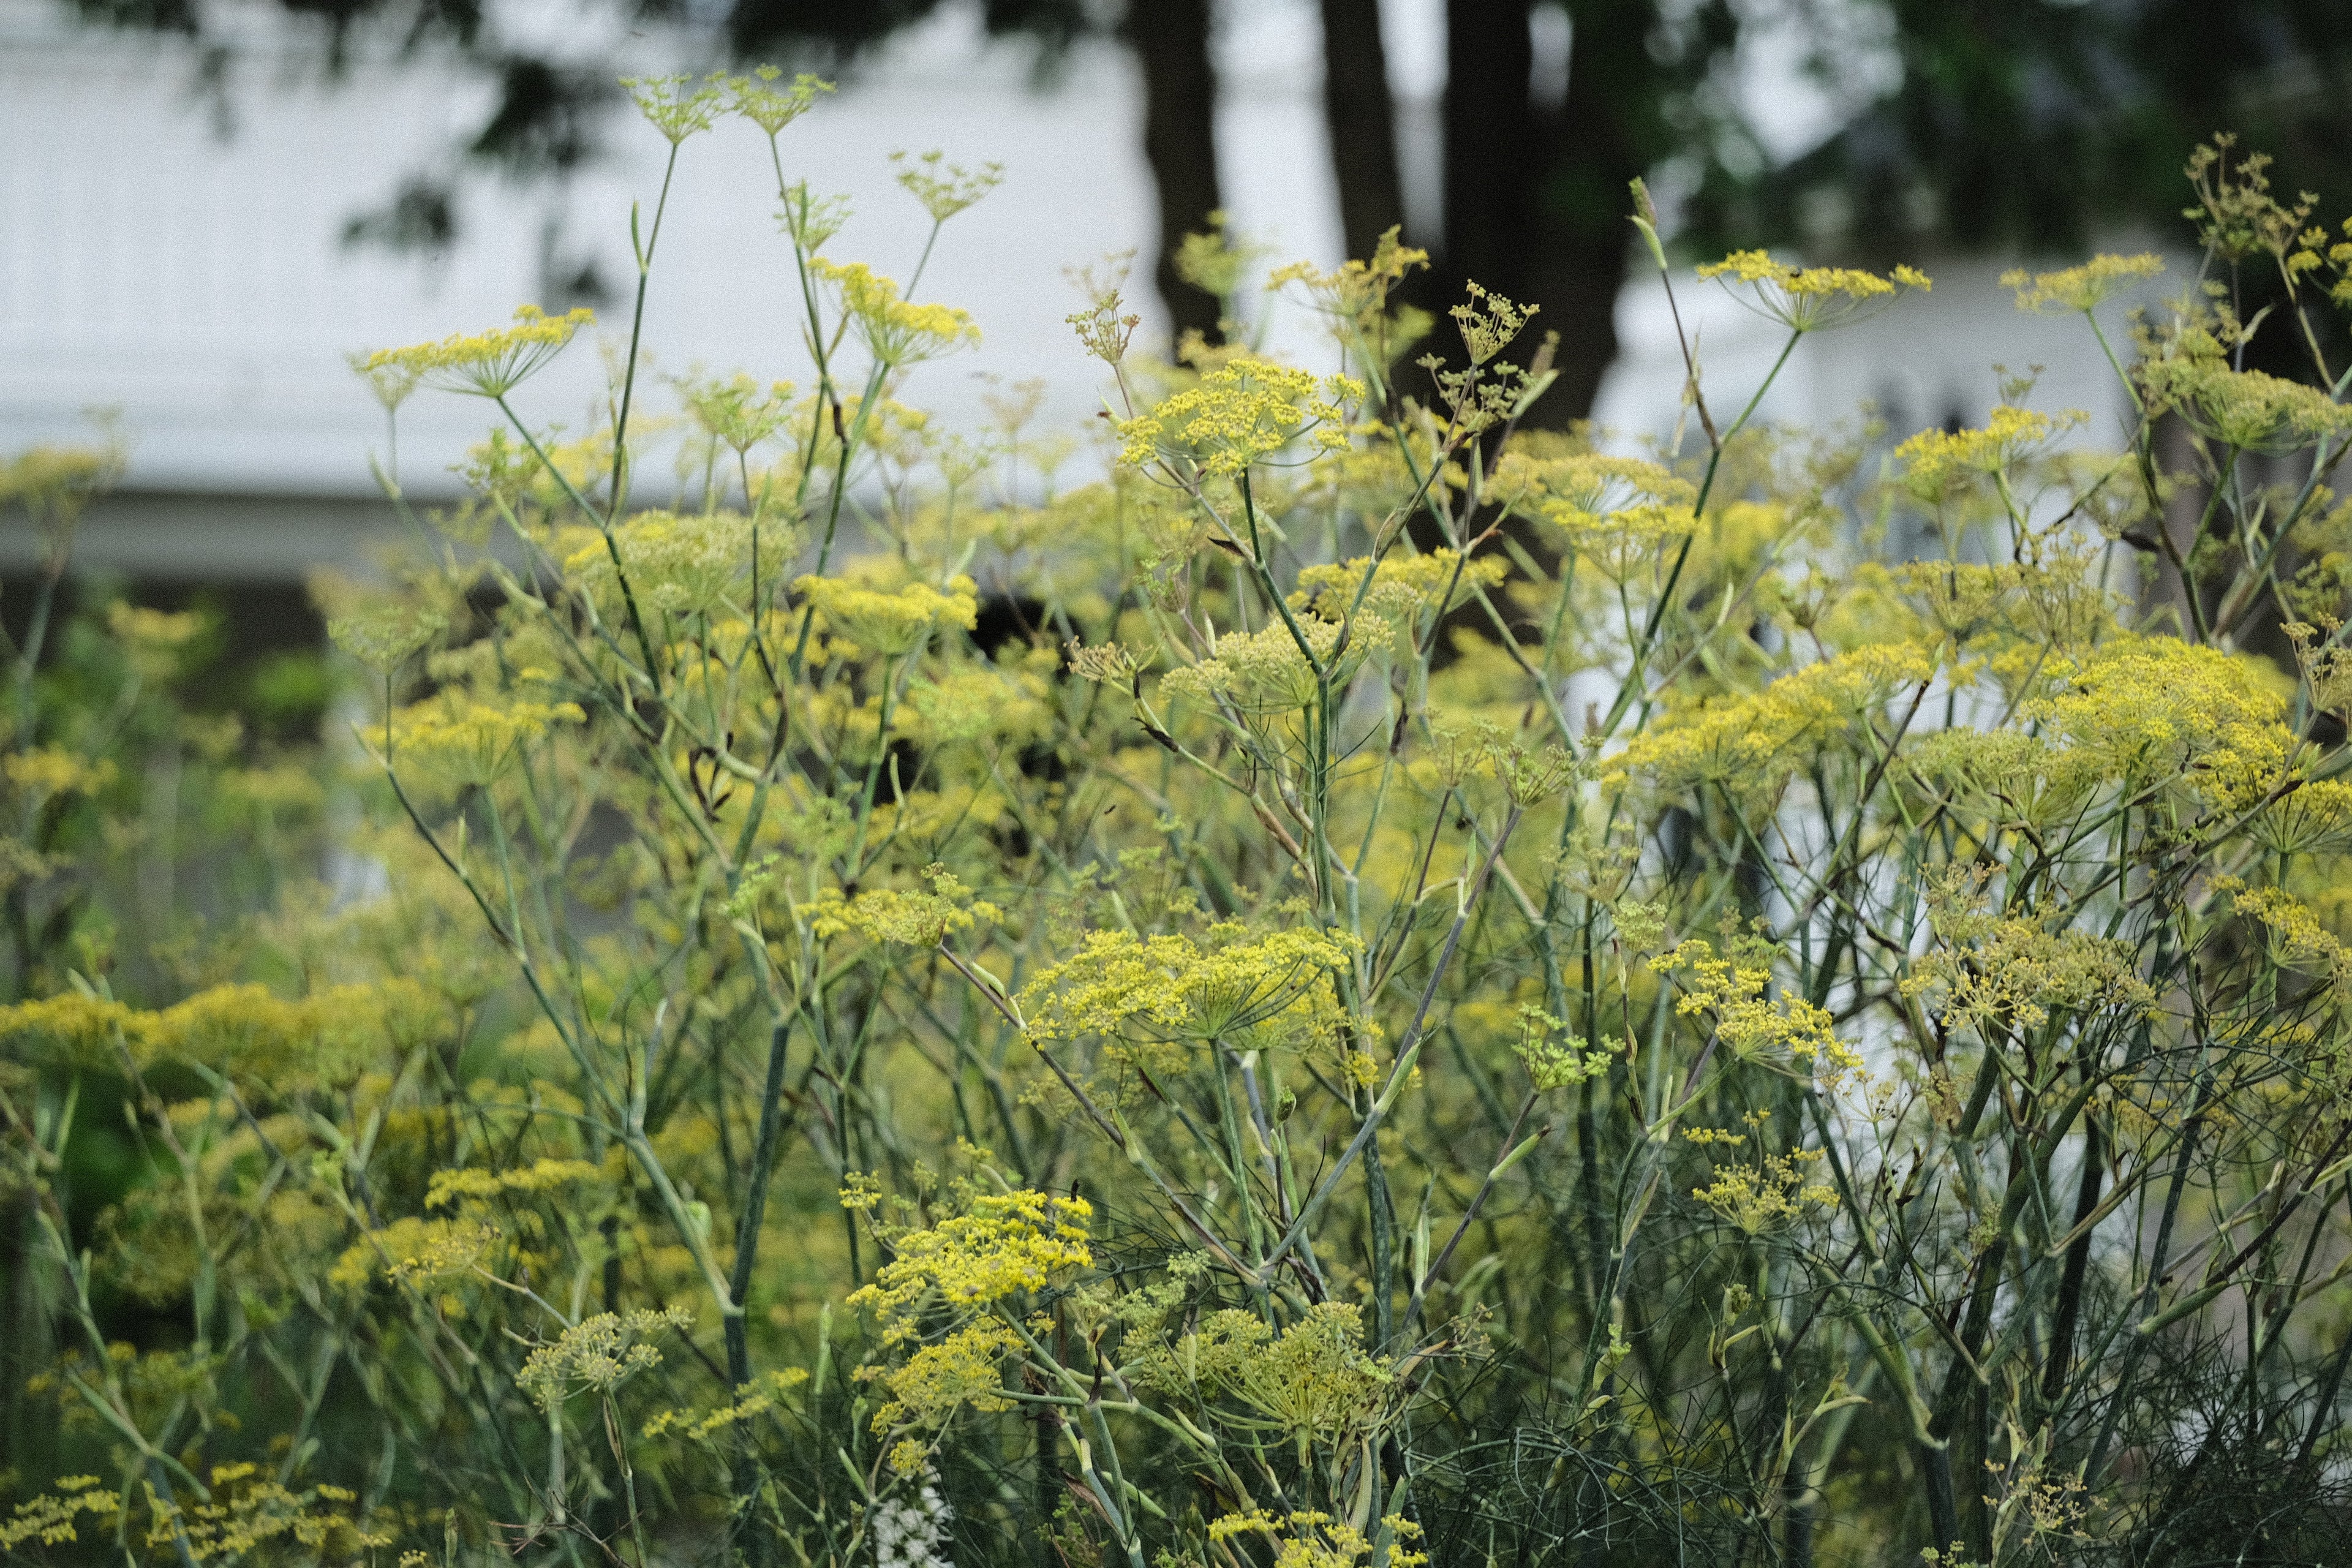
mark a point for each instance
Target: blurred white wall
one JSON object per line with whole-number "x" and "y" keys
{"x": 194, "y": 280}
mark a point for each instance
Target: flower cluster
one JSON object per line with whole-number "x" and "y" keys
{"x": 1173, "y": 987}
{"x": 1808, "y": 299}
{"x": 1934, "y": 463}
{"x": 685, "y": 563}
{"x": 1314, "y": 1378}
{"x": 889, "y": 624}
{"x": 1241, "y": 413}
{"x": 1748, "y": 1024}
{"x": 1001, "y": 1245}
{"x": 597, "y": 1354}
{"x": 485, "y": 364}
{"x": 894, "y": 331}
{"x": 1753, "y": 741}
{"x": 1265, "y": 671}
{"x": 471, "y": 741}
{"x": 1401, "y": 589}
{"x": 2084, "y": 287}
{"x": 2217, "y": 727}
{"x": 1769, "y": 1193}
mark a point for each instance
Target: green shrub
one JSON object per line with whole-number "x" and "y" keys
{"x": 1368, "y": 983}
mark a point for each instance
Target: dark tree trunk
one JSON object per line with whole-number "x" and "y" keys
{"x": 1361, "y": 121}
{"x": 1491, "y": 160}
{"x": 1536, "y": 198}
{"x": 1170, "y": 39}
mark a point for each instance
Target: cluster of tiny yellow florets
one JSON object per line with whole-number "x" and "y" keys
{"x": 890, "y": 622}
{"x": 1750, "y": 1024}
{"x": 1753, "y": 741}
{"x": 2010, "y": 970}
{"x": 896, "y": 331}
{"x": 50, "y": 1517}
{"x": 1308, "y": 1538}
{"x": 1003, "y": 1245}
{"x": 1768, "y": 1194}
{"x": 2084, "y": 287}
{"x": 247, "y": 1512}
{"x": 448, "y": 1187}
{"x": 1262, "y": 671}
{"x": 1402, "y": 589}
{"x": 486, "y": 365}
{"x": 471, "y": 741}
{"x": 1935, "y": 462}
{"x": 1807, "y": 299}
{"x": 1314, "y": 1378}
{"x": 1242, "y": 412}
{"x": 1173, "y": 987}
{"x": 2217, "y": 726}
{"x": 598, "y": 1353}
{"x": 685, "y": 563}
{"x": 2248, "y": 409}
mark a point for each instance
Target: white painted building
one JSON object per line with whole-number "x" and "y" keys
{"x": 194, "y": 280}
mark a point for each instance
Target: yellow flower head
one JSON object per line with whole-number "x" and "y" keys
{"x": 677, "y": 106}
{"x": 2248, "y": 409}
{"x": 1750, "y": 1024}
{"x": 1173, "y": 987}
{"x": 890, "y": 624}
{"x": 1004, "y": 1245}
{"x": 1264, "y": 671}
{"x": 1808, "y": 299}
{"x": 770, "y": 108}
{"x": 1935, "y": 462}
{"x": 1753, "y": 741}
{"x": 685, "y": 563}
{"x": 471, "y": 741}
{"x": 896, "y": 331}
{"x": 2084, "y": 287}
{"x": 597, "y": 1354}
{"x": 485, "y": 364}
{"x": 1241, "y": 413}
{"x": 945, "y": 189}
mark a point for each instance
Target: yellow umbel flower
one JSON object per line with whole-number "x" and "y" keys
{"x": 1310, "y": 1538}
{"x": 1264, "y": 671}
{"x": 683, "y": 563}
{"x": 448, "y": 1187}
{"x": 1003, "y": 1245}
{"x": 1403, "y": 587}
{"x": 939, "y": 1380}
{"x": 677, "y": 106}
{"x": 770, "y": 108}
{"x": 1241, "y": 413}
{"x": 486, "y": 365}
{"x": 1752, "y": 742}
{"x": 945, "y": 189}
{"x": 1769, "y": 1194}
{"x": 471, "y": 741}
{"x": 2010, "y": 970}
{"x": 1314, "y": 1379}
{"x": 1935, "y": 462}
{"x": 890, "y": 624}
{"x": 49, "y": 1518}
{"x": 896, "y": 331}
{"x": 1750, "y": 1025}
{"x": 49, "y": 770}
{"x": 2084, "y": 287}
{"x": 1173, "y": 987}
{"x": 2248, "y": 409}
{"x": 1808, "y": 299}
{"x": 2139, "y": 710}
{"x": 597, "y": 1354}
